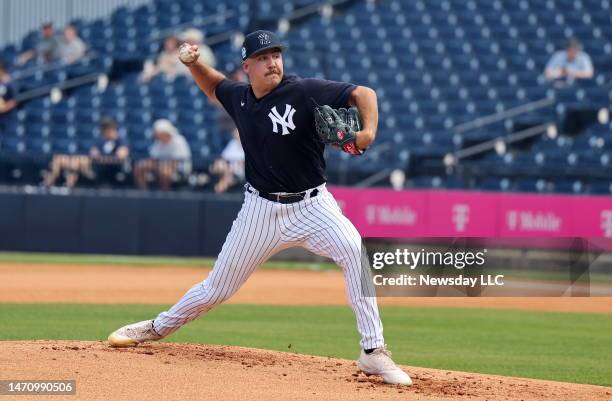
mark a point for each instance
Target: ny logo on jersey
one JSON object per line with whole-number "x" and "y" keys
{"x": 286, "y": 120}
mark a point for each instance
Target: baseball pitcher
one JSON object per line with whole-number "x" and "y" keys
{"x": 284, "y": 123}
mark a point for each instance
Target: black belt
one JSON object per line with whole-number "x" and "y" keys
{"x": 284, "y": 198}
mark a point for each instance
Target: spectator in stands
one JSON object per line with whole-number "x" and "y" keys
{"x": 196, "y": 37}
{"x": 105, "y": 158}
{"x": 47, "y": 49}
{"x": 571, "y": 63}
{"x": 230, "y": 166}
{"x": 110, "y": 154}
{"x": 167, "y": 62}
{"x": 7, "y": 91}
{"x": 170, "y": 157}
{"x": 72, "y": 48}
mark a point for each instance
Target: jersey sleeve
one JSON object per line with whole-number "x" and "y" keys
{"x": 229, "y": 92}
{"x": 332, "y": 93}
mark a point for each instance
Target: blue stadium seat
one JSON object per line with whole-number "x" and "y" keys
{"x": 434, "y": 65}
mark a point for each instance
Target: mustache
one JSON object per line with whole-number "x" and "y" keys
{"x": 273, "y": 72}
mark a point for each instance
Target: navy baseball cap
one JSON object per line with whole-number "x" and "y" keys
{"x": 258, "y": 41}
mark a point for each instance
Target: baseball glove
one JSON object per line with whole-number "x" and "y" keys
{"x": 338, "y": 127}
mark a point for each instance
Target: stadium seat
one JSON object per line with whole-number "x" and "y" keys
{"x": 434, "y": 65}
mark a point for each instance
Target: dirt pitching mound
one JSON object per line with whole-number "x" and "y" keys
{"x": 168, "y": 371}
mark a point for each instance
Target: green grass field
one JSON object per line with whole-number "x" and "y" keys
{"x": 143, "y": 261}
{"x": 556, "y": 346}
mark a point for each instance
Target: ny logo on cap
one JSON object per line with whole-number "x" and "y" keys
{"x": 264, "y": 38}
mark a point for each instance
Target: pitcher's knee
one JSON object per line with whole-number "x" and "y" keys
{"x": 216, "y": 294}
{"x": 352, "y": 253}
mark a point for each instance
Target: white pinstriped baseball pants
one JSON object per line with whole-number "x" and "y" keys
{"x": 264, "y": 228}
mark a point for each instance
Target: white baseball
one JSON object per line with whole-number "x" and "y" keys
{"x": 187, "y": 54}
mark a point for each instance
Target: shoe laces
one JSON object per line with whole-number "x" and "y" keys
{"x": 139, "y": 331}
{"x": 382, "y": 350}
{"x": 384, "y": 355}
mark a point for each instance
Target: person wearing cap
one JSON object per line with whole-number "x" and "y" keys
{"x": 170, "y": 157}
{"x": 106, "y": 157}
{"x": 571, "y": 63}
{"x": 47, "y": 49}
{"x": 109, "y": 156}
{"x": 286, "y": 202}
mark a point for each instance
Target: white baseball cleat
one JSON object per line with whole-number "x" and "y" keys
{"x": 379, "y": 362}
{"x": 133, "y": 334}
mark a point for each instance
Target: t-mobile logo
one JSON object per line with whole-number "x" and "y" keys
{"x": 512, "y": 219}
{"x": 606, "y": 223}
{"x": 461, "y": 216}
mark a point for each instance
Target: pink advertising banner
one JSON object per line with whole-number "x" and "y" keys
{"x": 434, "y": 213}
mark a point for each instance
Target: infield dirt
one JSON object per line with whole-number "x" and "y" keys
{"x": 40, "y": 283}
{"x": 171, "y": 371}
{"x": 168, "y": 371}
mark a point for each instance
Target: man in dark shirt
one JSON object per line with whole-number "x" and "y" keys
{"x": 286, "y": 201}
{"x": 109, "y": 155}
{"x": 105, "y": 159}
{"x": 47, "y": 49}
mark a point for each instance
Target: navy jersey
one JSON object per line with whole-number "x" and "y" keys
{"x": 277, "y": 131}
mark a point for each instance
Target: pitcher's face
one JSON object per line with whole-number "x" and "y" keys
{"x": 265, "y": 70}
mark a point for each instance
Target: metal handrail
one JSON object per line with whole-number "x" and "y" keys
{"x": 51, "y": 66}
{"x": 454, "y": 158}
{"x": 374, "y": 178}
{"x": 71, "y": 83}
{"x": 495, "y": 117}
{"x": 312, "y": 9}
{"x": 198, "y": 22}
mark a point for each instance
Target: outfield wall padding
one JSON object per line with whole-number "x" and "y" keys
{"x": 116, "y": 223}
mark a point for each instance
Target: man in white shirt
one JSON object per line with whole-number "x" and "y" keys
{"x": 71, "y": 48}
{"x": 571, "y": 63}
{"x": 230, "y": 166}
{"x": 170, "y": 157}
